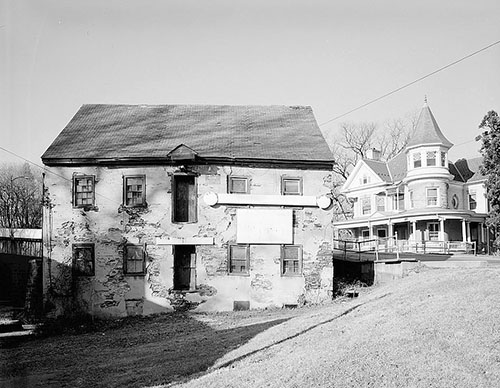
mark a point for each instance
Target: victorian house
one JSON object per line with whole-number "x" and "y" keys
{"x": 419, "y": 197}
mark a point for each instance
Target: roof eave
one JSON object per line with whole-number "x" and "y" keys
{"x": 134, "y": 161}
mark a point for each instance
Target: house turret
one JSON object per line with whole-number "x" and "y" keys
{"x": 427, "y": 150}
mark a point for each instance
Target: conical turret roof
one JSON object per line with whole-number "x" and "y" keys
{"x": 427, "y": 131}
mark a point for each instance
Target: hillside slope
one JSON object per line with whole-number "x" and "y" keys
{"x": 437, "y": 328}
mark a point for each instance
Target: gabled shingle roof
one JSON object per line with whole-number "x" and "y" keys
{"x": 469, "y": 169}
{"x": 427, "y": 131}
{"x": 259, "y": 133}
{"x": 397, "y": 167}
{"x": 379, "y": 168}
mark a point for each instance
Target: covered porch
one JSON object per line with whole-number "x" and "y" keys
{"x": 418, "y": 234}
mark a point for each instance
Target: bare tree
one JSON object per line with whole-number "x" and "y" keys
{"x": 353, "y": 140}
{"x": 358, "y": 138}
{"x": 20, "y": 197}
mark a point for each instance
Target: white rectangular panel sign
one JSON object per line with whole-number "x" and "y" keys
{"x": 264, "y": 226}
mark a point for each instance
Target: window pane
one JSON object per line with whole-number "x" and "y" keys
{"x": 185, "y": 200}
{"x": 134, "y": 257}
{"x": 291, "y": 186}
{"x": 431, "y": 197}
{"x": 365, "y": 205}
{"x": 83, "y": 191}
{"x": 238, "y": 252}
{"x": 290, "y": 266}
{"x": 238, "y": 185}
{"x": 431, "y": 158}
{"x": 134, "y": 191}
{"x": 83, "y": 260}
{"x": 417, "y": 160}
{"x": 472, "y": 201}
{"x": 380, "y": 203}
{"x": 291, "y": 257}
{"x": 291, "y": 253}
{"x": 238, "y": 258}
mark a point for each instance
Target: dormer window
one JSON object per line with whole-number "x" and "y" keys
{"x": 431, "y": 158}
{"x": 417, "y": 160}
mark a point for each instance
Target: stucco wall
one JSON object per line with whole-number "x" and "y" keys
{"x": 110, "y": 226}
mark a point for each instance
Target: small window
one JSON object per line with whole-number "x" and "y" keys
{"x": 380, "y": 203}
{"x": 454, "y": 201}
{"x": 83, "y": 190}
{"x": 237, "y": 185}
{"x": 365, "y": 180}
{"x": 239, "y": 259}
{"x": 184, "y": 198}
{"x": 366, "y": 206}
{"x": 412, "y": 201}
{"x": 291, "y": 186}
{"x": 401, "y": 201}
{"x": 134, "y": 190}
{"x": 432, "y": 197}
{"x": 134, "y": 259}
{"x": 83, "y": 259}
{"x": 431, "y": 158}
{"x": 291, "y": 260}
{"x": 417, "y": 160}
{"x": 443, "y": 159}
{"x": 472, "y": 201}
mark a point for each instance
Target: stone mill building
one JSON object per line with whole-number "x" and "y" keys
{"x": 155, "y": 208}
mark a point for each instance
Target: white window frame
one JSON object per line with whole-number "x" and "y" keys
{"x": 427, "y": 197}
{"x": 472, "y": 195}
{"x": 427, "y": 159}
{"x": 230, "y": 258}
{"x": 291, "y": 178}
{"x": 417, "y": 157}
{"x": 283, "y": 259}
{"x": 230, "y": 188}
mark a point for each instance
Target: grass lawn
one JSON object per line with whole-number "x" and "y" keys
{"x": 132, "y": 352}
{"x": 436, "y": 328}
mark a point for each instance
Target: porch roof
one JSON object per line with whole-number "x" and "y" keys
{"x": 380, "y": 218}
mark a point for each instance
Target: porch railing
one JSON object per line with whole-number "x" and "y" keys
{"x": 21, "y": 246}
{"x": 392, "y": 245}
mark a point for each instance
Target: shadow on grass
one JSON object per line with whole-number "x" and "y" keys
{"x": 142, "y": 352}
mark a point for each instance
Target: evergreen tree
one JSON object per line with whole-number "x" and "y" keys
{"x": 490, "y": 168}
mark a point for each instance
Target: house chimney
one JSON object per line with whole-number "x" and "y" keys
{"x": 373, "y": 154}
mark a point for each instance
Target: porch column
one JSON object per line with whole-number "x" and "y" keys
{"x": 441, "y": 229}
{"x": 390, "y": 229}
{"x": 414, "y": 230}
{"x": 468, "y": 232}
{"x": 481, "y": 236}
{"x": 464, "y": 231}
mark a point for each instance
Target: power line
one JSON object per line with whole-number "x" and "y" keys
{"x": 50, "y": 171}
{"x": 411, "y": 83}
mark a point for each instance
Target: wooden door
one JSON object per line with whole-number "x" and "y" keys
{"x": 184, "y": 267}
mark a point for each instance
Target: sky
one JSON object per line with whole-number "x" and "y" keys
{"x": 331, "y": 55}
